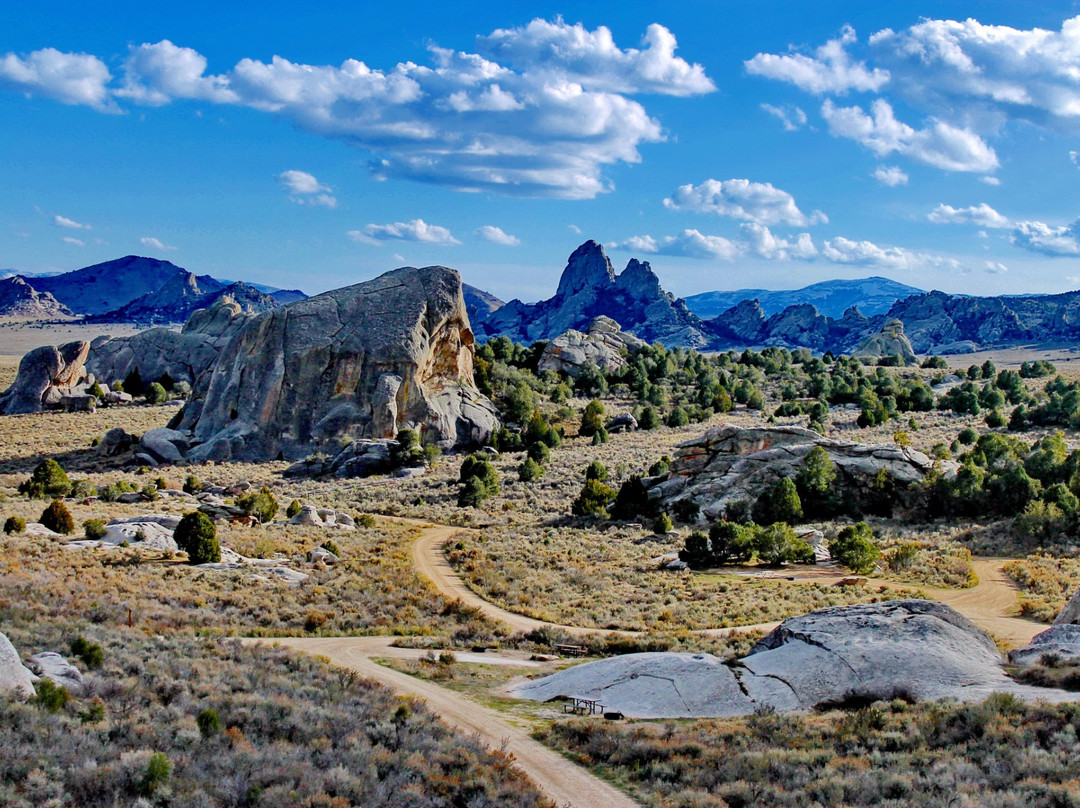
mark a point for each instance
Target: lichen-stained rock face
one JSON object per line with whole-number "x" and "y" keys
{"x": 603, "y": 344}
{"x": 15, "y": 680}
{"x": 888, "y": 341}
{"x": 359, "y": 362}
{"x": 731, "y": 464}
{"x": 45, "y": 373}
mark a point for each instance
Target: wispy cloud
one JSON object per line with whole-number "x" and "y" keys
{"x": 496, "y": 235}
{"x": 306, "y": 190}
{"x": 70, "y": 224}
{"x": 829, "y": 70}
{"x": 981, "y": 215}
{"x": 413, "y": 230}
{"x": 155, "y": 244}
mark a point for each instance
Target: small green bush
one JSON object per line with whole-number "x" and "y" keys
{"x": 48, "y": 480}
{"x": 192, "y": 484}
{"x": 263, "y": 505}
{"x": 57, "y": 518}
{"x": 662, "y": 524}
{"x": 293, "y": 509}
{"x": 530, "y": 470}
{"x": 331, "y": 547}
{"x": 14, "y": 524}
{"x": 779, "y": 503}
{"x": 94, "y": 529}
{"x": 50, "y": 696}
{"x": 208, "y": 722}
{"x": 596, "y": 471}
{"x": 155, "y": 394}
{"x": 91, "y": 653}
{"x": 854, "y": 548}
{"x": 593, "y": 499}
{"x": 197, "y": 537}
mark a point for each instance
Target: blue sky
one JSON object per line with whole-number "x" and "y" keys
{"x": 729, "y": 144}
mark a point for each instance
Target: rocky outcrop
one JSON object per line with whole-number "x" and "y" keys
{"x": 15, "y": 680}
{"x": 916, "y": 648}
{"x": 889, "y": 341}
{"x": 359, "y": 362}
{"x": 731, "y": 464}
{"x": 21, "y": 301}
{"x": 589, "y": 288}
{"x": 51, "y": 665}
{"x": 46, "y": 375}
{"x": 184, "y": 355}
{"x": 603, "y": 344}
{"x": 1061, "y": 640}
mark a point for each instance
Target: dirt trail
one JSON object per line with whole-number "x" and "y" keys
{"x": 991, "y": 605}
{"x": 562, "y": 781}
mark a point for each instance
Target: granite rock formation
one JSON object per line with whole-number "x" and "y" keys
{"x": 45, "y": 376}
{"x": 359, "y": 362}
{"x": 603, "y": 344}
{"x": 588, "y": 288}
{"x": 916, "y": 648}
{"x": 730, "y": 464}
{"x": 19, "y": 300}
{"x": 889, "y": 341}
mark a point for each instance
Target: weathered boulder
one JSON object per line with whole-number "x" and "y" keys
{"x": 308, "y": 516}
{"x": 731, "y": 464}
{"x": 320, "y": 555}
{"x": 45, "y": 372}
{"x": 1061, "y": 641}
{"x": 1070, "y": 615}
{"x": 51, "y": 665}
{"x": 164, "y": 445}
{"x": 603, "y": 345}
{"x": 305, "y": 378}
{"x": 889, "y": 341}
{"x": 77, "y": 402}
{"x": 916, "y": 648}
{"x": 624, "y": 422}
{"x": 15, "y": 680}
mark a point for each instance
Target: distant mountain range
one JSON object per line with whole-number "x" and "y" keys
{"x": 873, "y": 296}
{"x": 837, "y": 316}
{"x": 131, "y": 289}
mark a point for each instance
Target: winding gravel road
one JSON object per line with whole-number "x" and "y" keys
{"x": 991, "y": 605}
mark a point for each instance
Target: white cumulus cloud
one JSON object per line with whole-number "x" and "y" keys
{"x": 306, "y": 190}
{"x": 74, "y": 241}
{"x": 1043, "y": 238}
{"x": 866, "y": 253}
{"x": 981, "y": 215}
{"x": 540, "y": 110}
{"x": 939, "y": 144}
{"x": 986, "y": 74}
{"x": 155, "y": 244}
{"x": 688, "y": 244}
{"x": 70, "y": 78}
{"x": 891, "y": 176}
{"x": 592, "y": 59}
{"x": 70, "y": 224}
{"x": 763, "y": 243}
{"x": 829, "y": 70}
{"x": 496, "y": 235}
{"x": 412, "y": 230}
{"x": 747, "y": 201}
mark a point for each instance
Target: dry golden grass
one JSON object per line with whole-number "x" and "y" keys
{"x": 1047, "y": 583}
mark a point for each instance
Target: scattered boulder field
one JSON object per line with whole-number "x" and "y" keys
{"x": 913, "y": 649}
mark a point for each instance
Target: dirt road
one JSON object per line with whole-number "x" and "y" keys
{"x": 564, "y": 782}
{"x": 991, "y": 605}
